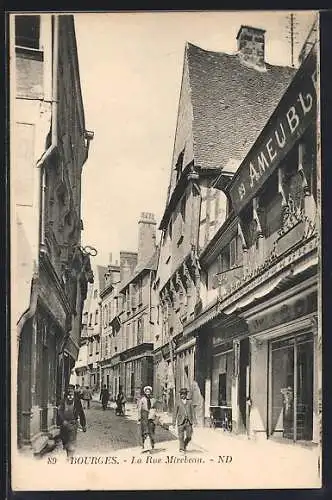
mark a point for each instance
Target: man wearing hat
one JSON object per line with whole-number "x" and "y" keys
{"x": 146, "y": 418}
{"x": 69, "y": 411}
{"x": 183, "y": 416}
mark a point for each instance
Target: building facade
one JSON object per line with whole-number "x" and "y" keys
{"x": 215, "y": 128}
{"x": 90, "y": 349}
{"x": 49, "y": 147}
{"x": 130, "y": 313}
{"x": 259, "y": 339}
{"x": 112, "y": 341}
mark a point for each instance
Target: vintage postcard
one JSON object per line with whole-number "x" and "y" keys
{"x": 165, "y": 241}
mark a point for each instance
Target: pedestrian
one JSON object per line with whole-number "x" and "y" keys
{"x": 104, "y": 396}
{"x": 69, "y": 412}
{"x": 120, "y": 403}
{"x": 183, "y": 416}
{"x": 87, "y": 397}
{"x": 78, "y": 392}
{"x": 146, "y": 419}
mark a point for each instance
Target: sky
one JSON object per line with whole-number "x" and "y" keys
{"x": 130, "y": 69}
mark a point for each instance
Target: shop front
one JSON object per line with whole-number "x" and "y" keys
{"x": 138, "y": 370}
{"x": 284, "y": 367}
{"x": 222, "y": 370}
{"x": 291, "y": 402}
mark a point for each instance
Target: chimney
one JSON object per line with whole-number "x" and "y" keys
{"x": 113, "y": 274}
{"x": 110, "y": 258}
{"x": 251, "y": 46}
{"x": 128, "y": 262}
{"x": 146, "y": 237}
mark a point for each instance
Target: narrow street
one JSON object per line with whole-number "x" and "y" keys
{"x": 108, "y": 432}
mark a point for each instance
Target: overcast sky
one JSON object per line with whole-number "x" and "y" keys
{"x": 130, "y": 69}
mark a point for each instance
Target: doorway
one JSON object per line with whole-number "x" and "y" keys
{"x": 24, "y": 385}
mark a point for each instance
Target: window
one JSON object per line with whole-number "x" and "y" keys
{"x": 90, "y": 320}
{"x": 96, "y": 317}
{"x": 90, "y": 348}
{"x": 224, "y": 259}
{"x": 105, "y": 316}
{"x": 140, "y": 330}
{"x": 140, "y": 291}
{"x": 97, "y": 346}
{"x": 27, "y": 31}
{"x": 270, "y": 203}
{"x": 95, "y": 293}
{"x": 85, "y": 319}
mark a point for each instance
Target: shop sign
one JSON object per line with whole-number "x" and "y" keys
{"x": 288, "y": 311}
{"x": 296, "y": 110}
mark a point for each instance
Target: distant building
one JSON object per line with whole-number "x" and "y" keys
{"x": 112, "y": 341}
{"x": 225, "y": 101}
{"x": 49, "y": 146}
{"x": 90, "y": 350}
{"x": 130, "y": 312}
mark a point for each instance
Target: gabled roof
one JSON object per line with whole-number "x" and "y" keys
{"x": 231, "y": 103}
{"x": 149, "y": 265}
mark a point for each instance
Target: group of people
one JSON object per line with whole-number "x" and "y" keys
{"x": 120, "y": 400}
{"x": 183, "y": 417}
{"x": 85, "y": 394}
{"x": 71, "y": 413}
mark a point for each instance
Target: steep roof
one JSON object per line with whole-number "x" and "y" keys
{"x": 231, "y": 103}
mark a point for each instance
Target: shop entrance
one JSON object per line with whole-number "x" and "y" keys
{"x": 291, "y": 408}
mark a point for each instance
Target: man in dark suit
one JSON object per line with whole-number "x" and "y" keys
{"x": 183, "y": 417}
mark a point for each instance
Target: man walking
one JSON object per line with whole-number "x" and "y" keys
{"x": 69, "y": 411}
{"x": 104, "y": 397}
{"x": 87, "y": 396}
{"x": 183, "y": 417}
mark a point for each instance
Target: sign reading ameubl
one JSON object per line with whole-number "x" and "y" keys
{"x": 296, "y": 110}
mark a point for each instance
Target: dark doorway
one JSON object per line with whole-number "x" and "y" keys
{"x": 132, "y": 384}
{"x": 243, "y": 381}
{"x": 24, "y": 384}
{"x": 222, "y": 398}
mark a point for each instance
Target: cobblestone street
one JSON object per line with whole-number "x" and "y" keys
{"x": 108, "y": 432}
